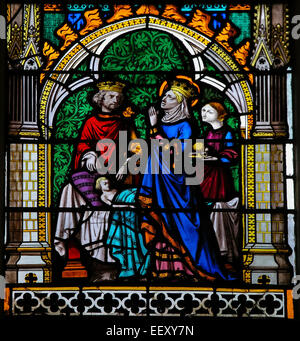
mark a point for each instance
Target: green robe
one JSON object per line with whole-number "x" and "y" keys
{"x": 125, "y": 239}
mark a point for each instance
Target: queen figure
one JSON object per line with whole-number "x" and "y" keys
{"x": 176, "y": 225}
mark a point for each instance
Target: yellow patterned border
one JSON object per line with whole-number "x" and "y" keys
{"x": 180, "y": 28}
{"x": 156, "y": 21}
{"x": 151, "y": 288}
{"x": 251, "y": 192}
{"x": 46, "y": 257}
{"x": 97, "y": 34}
{"x": 28, "y": 133}
{"x": 227, "y": 58}
{"x": 247, "y": 260}
{"x": 42, "y": 191}
{"x": 44, "y": 100}
{"x": 264, "y": 134}
{"x": 112, "y": 28}
{"x": 8, "y": 27}
{"x": 244, "y": 84}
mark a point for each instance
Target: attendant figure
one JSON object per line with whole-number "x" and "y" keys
{"x": 183, "y": 241}
{"x": 124, "y": 239}
{"x": 218, "y": 186}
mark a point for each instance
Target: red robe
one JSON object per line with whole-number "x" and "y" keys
{"x": 98, "y": 128}
{"x": 218, "y": 183}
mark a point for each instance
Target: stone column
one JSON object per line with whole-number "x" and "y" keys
{"x": 28, "y": 245}
{"x": 14, "y": 199}
{"x": 270, "y": 264}
{"x": 30, "y": 263}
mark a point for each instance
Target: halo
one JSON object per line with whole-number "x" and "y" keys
{"x": 194, "y": 102}
{"x": 189, "y": 79}
{"x": 163, "y": 87}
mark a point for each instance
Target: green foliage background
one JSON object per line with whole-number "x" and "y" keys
{"x": 68, "y": 122}
{"x": 133, "y": 58}
{"x": 146, "y": 52}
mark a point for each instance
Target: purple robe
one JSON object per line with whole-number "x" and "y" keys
{"x": 218, "y": 183}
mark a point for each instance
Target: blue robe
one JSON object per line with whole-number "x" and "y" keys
{"x": 125, "y": 239}
{"x": 190, "y": 228}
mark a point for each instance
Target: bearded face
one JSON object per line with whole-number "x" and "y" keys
{"x": 111, "y": 101}
{"x": 107, "y": 100}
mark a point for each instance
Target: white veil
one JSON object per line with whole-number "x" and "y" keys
{"x": 180, "y": 112}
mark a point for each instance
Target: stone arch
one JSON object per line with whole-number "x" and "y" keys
{"x": 197, "y": 44}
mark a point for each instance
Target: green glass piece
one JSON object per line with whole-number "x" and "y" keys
{"x": 69, "y": 120}
{"x": 52, "y": 21}
{"x": 243, "y": 22}
{"x": 145, "y": 51}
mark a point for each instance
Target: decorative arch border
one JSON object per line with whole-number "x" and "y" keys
{"x": 198, "y": 45}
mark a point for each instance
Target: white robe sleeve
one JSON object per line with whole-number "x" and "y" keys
{"x": 226, "y": 226}
{"x": 67, "y": 221}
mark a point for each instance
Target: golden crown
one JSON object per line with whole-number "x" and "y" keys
{"x": 111, "y": 86}
{"x": 183, "y": 89}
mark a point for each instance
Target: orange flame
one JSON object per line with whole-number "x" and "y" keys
{"x": 147, "y": 9}
{"x": 67, "y": 34}
{"x": 93, "y": 21}
{"x": 200, "y": 22}
{"x": 224, "y": 36}
{"x": 171, "y": 12}
{"x": 50, "y": 53}
{"x": 242, "y": 53}
{"x": 120, "y": 12}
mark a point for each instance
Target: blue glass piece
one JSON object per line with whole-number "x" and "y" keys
{"x": 76, "y": 20}
{"x": 79, "y": 7}
{"x": 215, "y": 8}
{"x": 106, "y": 10}
{"x": 187, "y": 8}
{"x": 218, "y": 19}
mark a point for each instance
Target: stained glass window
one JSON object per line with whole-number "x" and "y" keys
{"x": 149, "y": 159}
